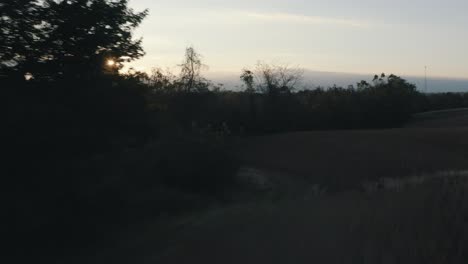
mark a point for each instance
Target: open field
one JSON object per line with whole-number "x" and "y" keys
{"x": 440, "y": 119}
{"x": 343, "y": 158}
{"x": 424, "y": 223}
{"x": 421, "y": 223}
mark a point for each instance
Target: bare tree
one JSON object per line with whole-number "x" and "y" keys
{"x": 273, "y": 79}
{"x": 191, "y": 68}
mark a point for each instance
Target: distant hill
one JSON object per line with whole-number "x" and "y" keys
{"x": 316, "y": 78}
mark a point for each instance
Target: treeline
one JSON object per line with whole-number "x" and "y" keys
{"x": 79, "y": 117}
{"x": 442, "y": 101}
{"x": 272, "y": 101}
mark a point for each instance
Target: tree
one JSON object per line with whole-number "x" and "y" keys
{"x": 190, "y": 69}
{"x": 277, "y": 79}
{"x": 64, "y": 38}
{"x": 161, "y": 80}
{"x": 20, "y": 36}
{"x": 247, "y": 77}
{"x": 389, "y": 101}
{"x": 363, "y": 85}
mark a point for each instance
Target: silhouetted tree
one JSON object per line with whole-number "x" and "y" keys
{"x": 190, "y": 69}
{"x": 56, "y": 38}
{"x": 162, "y": 81}
{"x": 247, "y": 77}
{"x": 20, "y": 36}
{"x": 277, "y": 79}
{"x": 390, "y": 101}
{"x": 362, "y": 85}
{"x": 277, "y": 82}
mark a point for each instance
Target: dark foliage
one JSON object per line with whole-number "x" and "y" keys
{"x": 63, "y": 39}
{"x": 388, "y": 102}
{"x": 442, "y": 101}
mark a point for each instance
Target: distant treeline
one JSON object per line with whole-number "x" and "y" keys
{"x": 111, "y": 112}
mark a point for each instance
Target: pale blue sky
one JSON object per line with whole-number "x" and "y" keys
{"x": 359, "y": 36}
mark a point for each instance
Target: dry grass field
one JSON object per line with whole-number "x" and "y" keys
{"x": 440, "y": 119}
{"x": 421, "y": 223}
{"x": 424, "y": 223}
{"x": 427, "y": 223}
{"x": 340, "y": 159}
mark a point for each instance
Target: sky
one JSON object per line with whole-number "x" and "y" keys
{"x": 358, "y": 36}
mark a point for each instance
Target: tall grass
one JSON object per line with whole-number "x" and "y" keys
{"x": 421, "y": 223}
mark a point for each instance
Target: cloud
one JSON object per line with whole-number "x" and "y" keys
{"x": 213, "y": 17}
{"x": 303, "y": 19}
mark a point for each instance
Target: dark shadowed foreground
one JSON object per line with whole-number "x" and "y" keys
{"x": 326, "y": 215}
{"x": 423, "y": 224}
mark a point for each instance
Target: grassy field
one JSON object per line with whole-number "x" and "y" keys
{"x": 422, "y": 224}
{"x": 340, "y": 159}
{"x": 441, "y": 119}
{"x": 425, "y": 222}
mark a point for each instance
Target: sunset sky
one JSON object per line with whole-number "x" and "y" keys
{"x": 360, "y": 36}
